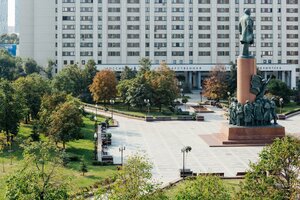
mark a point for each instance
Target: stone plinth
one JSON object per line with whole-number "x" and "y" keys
{"x": 251, "y": 135}
{"x": 246, "y": 67}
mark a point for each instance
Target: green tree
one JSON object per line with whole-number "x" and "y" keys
{"x": 104, "y": 86}
{"x": 276, "y": 174}
{"x": 39, "y": 178}
{"x": 48, "y": 105}
{"x": 32, "y": 88}
{"x": 49, "y": 69}
{"x": 9, "y": 39}
{"x": 139, "y": 89}
{"x": 65, "y": 123}
{"x": 127, "y": 73}
{"x": 8, "y": 69}
{"x": 232, "y": 81}
{"x": 89, "y": 72}
{"x": 134, "y": 181}
{"x": 280, "y": 90}
{"x": 70, "y": 80}
{"x": 83, "y": 167}
{"x": 164, "y": 86}
{"x": 122, "y": 88}
{"x": 216, "y": 86}
{"x": 11, "y": 109}
{"x": 30, "y": 66}
{"x": 203, "y": 188}
{"x": 145, "y": 65}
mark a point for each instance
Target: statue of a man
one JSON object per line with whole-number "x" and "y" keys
{"x": 232, "y": 111}
{"x": 258, "y": 112}
{"x": 246, "y": 32}
{"x": 248, "y": 114}
{"x": 273, "y": 110}
{"x": 239, "y": 114}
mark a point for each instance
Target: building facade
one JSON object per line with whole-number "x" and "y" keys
{"x": 186, "y": 33}
{"x": 3, "y": 16}
{"x": 17, "y": 16}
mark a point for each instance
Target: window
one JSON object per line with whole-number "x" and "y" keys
{"x": 266, "y": 1}
{"x": 204, "y": 53}
{"x": 223, "y": 53}
{"x": 133, "y": 53}
{"x": 113, "y": 53}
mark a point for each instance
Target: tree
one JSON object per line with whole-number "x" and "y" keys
{"x": 35, "y": 136}
{"x": 65, "y": 123}
{"x": 164, "y": 86}
{"x": 127, "y": 73}
{"x": 39, "y": 177}
{"x": 49, "y": 69}
{"x": 30, "y": 66}
{"x": 83, "y": 167}
{"x": 232, "y": 81}
{"x": 123, "y": 87}
{"x": 134, "y": 181}
{"x": 203, "y": 188}
{"x": 138, "y": 90}
{"x": 8, "y": 69}
{"x": 276, "y": 174}
{"x": 145, "y": 65}
{"x": 89, "y": 72}
{"x": 9, "y": 39}
{"x": 216, "y": 86}
{"x": 11, "y": 109}
{"x": 70, "y": 80}
{"x": 279, "y": 89}
{"x": 49, "y": 104}
{"x": 104, "y": 86}
{"x": 32, "y": 88}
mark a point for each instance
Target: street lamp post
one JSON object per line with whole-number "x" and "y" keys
{"x": 281, "y": 104}
{"x": 201, "y": 93}
{"x": 112, "y": 102}
{"x": 184, "y": 150}
{"x": 95, "y": 118}
{"x": 228, "y": 93}
{"x": 147, "y": 102}
{"x": 96, "y": 147}
{"x": 122, "y": 149}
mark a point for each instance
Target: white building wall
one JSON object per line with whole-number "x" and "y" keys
{"x": 3, "y": 16}
{"x": 207, "y": 34}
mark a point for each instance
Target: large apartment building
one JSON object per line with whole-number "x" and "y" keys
{"x": 3, "y": 16}
{"x": 191, "y": 36}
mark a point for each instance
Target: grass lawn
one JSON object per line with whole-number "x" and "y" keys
{"x": 231, "y": 184}
{"x": 83, "y": 147}
{"x": 288, "y": 108}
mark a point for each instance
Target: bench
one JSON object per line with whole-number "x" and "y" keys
{"x": 212, "y": 174}
{"x": 185, "y": 173}
{"x": 162, "y": 118}
{"x": 281, "y": 117}
{"x": 240, "y": 173}
{"x": 185, "y": 118}
{"x": 200, "y": 118}
{"x": 149, "y": 119}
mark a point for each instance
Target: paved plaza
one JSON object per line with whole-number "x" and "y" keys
{"x": 162, "y": 143}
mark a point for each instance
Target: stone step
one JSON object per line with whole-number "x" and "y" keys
{"x": 262, "y": 142}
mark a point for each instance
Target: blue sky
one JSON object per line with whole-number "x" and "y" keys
{"x": 11, "y": 12}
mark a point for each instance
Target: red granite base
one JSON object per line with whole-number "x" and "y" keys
{"x": 252, "y": 135}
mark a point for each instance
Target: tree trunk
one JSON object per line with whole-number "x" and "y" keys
{"x": 64, "y": 145}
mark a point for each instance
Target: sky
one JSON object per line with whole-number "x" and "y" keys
{"x": 11, "y": 12}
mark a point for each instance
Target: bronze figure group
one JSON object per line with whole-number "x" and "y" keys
{"x": 259, "y": 113}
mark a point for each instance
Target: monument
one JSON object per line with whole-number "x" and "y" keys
{"x": 252, "y": 116}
